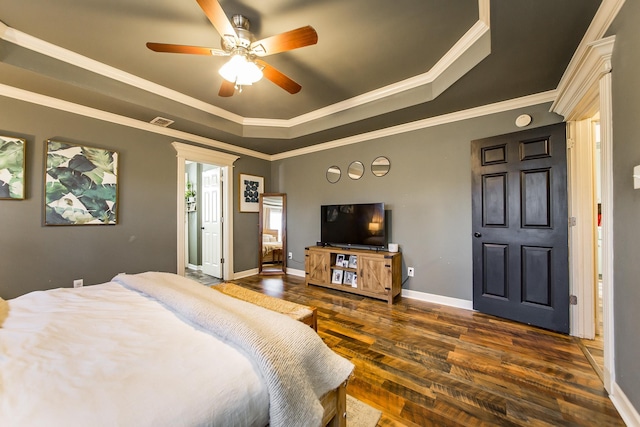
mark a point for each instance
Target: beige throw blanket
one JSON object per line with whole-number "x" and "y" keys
{"x": 297, "y": 366}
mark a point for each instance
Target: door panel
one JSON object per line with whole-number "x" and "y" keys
{"x": 211, "y": 223}
{"x": 520, "y": 243}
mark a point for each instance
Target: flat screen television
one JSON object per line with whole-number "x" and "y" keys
{"x": 361, "y": 225}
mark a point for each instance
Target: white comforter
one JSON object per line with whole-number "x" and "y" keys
{"x": 83, "y": 357}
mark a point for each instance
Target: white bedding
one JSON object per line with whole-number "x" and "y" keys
{"x": 54, "y": 347}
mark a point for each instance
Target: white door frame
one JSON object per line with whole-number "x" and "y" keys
{"x": 585, "y": 90}
{"x": 225, "y": 161}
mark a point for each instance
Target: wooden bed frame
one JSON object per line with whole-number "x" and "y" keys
{"x": 335, "y": 407}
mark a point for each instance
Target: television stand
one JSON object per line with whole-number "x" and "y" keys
{"x": 372, "y": 273}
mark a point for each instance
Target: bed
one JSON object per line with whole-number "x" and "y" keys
{"x": 156, "y": 349}
{"x": 271, "y": 247}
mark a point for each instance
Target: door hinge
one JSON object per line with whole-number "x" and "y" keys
{"x": 573, "y": 300}
{"x": 221, "y": 260}
{"x": 570, "y": 143}
{"x": 572, "y": 221}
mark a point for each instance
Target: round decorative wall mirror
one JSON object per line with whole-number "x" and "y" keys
{"x": 380, "y": 166}
{"x": 333, "y": 174}
{"x": 356, "y": 170}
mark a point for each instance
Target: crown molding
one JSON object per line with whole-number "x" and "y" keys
{"x": 49, "y": 49}
{"x": 57, "y": 104}
{"x": 499, "y": 107}
{"x": 588, "y": 64}
{"x": 469, "y": 50}
{"x": 81, "y": 110}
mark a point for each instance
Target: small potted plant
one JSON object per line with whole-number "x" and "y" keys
{"x": 190, "y": 194}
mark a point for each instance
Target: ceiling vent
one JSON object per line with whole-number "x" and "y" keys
{"x": 161, "y": 121}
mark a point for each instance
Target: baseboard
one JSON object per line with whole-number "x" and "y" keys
{"x": 194, "y": 267}
{"x": 438, "y": 299}
{"x": 406, "y": 293}
{"x": 295, "y": 272}
{"x": 629, "y": 414}
{"x": 246, "y": 273}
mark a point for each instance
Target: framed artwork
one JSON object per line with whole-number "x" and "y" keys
{"x": 336, "y": 277}
{"x": 81, "y": 185}
{"x": 250, "y": 189}
{"x": 339, "y": 260}
{"x": 12, "y": 165}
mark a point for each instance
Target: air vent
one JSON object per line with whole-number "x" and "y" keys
{"x": 161, "y": 121}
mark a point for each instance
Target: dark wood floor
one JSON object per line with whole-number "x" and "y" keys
{"x": 424, "y": 364}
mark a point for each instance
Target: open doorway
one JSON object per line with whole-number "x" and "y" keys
{"x": 203, "y": 222}
{"x": 220, "y": 165}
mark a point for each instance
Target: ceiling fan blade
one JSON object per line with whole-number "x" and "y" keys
{"x": 278, "y": 78}
{"x": 294, "y": 39}
{"x": 219, "y": 19}
{"x": 179, "y": 48}
{"x": 226, "y": 88}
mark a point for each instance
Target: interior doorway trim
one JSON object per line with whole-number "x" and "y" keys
{"x": 585, "y": 94}
{"x": 184, "y": 153}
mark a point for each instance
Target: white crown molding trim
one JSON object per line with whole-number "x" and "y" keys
{"x": 69, "y": 107}
{"x": 471, "y": 113}
{"x": 472, "y": 37}
{"x": 578, "y": 92}
{"x": 49, "y": 49}
{"x": 57, "y": 104}
{"x": 627, "y": 411}
{"x": 468, "y": 40}
{"x": 438, "y": 299}
{"x": 583, "y": 61}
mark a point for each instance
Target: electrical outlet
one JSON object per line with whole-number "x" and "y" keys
{"x": 410, "y": 271}
{"x": 290, "y": 255}
{"x": 78, "y": 283}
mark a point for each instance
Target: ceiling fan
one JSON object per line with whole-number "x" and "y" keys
{"x": 245, "y": 66}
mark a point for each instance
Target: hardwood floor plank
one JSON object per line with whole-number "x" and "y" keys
{"x": 425, "y": 364}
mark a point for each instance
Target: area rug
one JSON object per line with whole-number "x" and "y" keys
{"x": 359, "y": 414}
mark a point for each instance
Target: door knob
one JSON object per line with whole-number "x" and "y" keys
{"x": 476, "y": 234}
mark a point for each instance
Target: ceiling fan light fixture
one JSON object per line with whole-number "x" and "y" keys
{"x": 241, "y": 71}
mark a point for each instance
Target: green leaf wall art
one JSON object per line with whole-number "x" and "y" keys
{"x": 12, "y": 168}
{"x": 81, "y": 185}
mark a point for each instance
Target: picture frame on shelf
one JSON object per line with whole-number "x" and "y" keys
{"x": 250, "y": 187}
{"x": 12, "y": 165}
{"x": 348, "y": 278}
{"x": 336, "y": 277}
{"x": 353, "y": 261}
{"x": 339, "y": 260}
{"x": 354, "y": 280}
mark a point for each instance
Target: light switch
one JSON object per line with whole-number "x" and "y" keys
{"x": 636, "y": 177}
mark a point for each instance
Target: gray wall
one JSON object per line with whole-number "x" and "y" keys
{"x": 428, "y": 191}
{"x": 245, "y": 224}
{"x": 33, "y": 256}
{"x": 626, "y": 207}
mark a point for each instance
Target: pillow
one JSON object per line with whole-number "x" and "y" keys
{"x": 268, "y": 238}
